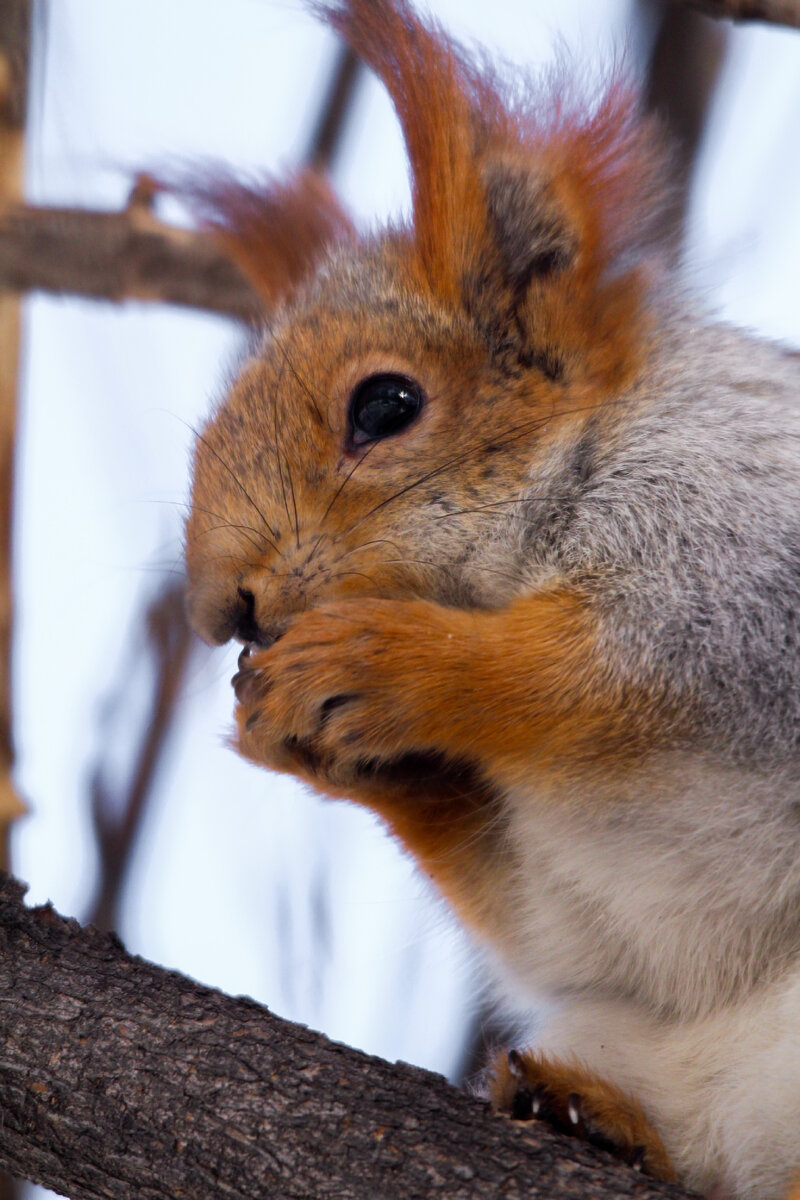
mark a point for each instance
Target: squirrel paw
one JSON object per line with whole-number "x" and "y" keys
{"x": 575, "y": 1101}
{"x": 257, "y": 740}
{"x": 333, "y": 692}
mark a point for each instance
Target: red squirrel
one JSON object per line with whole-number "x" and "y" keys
{"x": 510, "y": 533}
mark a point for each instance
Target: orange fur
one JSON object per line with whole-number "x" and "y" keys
{"x": 376, "y": 680}
{"x": 601, "y": 158}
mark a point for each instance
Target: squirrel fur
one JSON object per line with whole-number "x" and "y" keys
{"x": 510, "y": 532}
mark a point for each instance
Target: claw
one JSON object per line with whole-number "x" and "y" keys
{"x": 574, "y": 1107}
{"x": 537, "y": 1099}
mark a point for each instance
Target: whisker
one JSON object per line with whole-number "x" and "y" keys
{"x": 455, "y": 461}
{"x": 431, "y": 562}
{"x": 346, "y": 480}
{"x": 512, "y": 434}
{"x": 209, "y": 512}
{"x": 344, "y": 575}
{"x": 200, "y": 437}
{"x": 298, "y": 378}
{"x": 227, "y": 525}
{"x": 458, "y": 512}
{"x": 363, "y": 545}
{"x": 277, "y": 443}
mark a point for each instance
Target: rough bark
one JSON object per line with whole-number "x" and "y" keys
{"x": 774, "y": 12}
{"x": 118, "y": 1078}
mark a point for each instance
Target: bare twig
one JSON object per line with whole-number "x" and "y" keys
{"x": 686, "y": 58}
{"x": 118, "y": 818}
{"x": 118, "y": 1078}
{"x": 774, "y": 12}
{"x": 326, "y": 139}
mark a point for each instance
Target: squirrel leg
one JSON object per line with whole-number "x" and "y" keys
{"x": 575, "y": 1101}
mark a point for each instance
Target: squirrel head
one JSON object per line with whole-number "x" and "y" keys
{"x": 412, "y": 385}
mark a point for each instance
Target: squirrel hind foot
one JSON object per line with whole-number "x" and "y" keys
{"x": 576, "y": 1102}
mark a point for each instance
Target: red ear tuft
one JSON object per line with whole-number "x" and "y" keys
{"x": 610, "y": 159}
{"x": 436, "y": 94}
{"x": 277, "y": 233}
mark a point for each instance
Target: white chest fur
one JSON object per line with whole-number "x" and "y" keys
{"x": 662, "y": 915}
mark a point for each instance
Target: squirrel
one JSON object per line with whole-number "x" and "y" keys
{"x": 509, "y": 531}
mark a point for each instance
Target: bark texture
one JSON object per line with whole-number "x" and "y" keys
{"x": 118, "y": 1078}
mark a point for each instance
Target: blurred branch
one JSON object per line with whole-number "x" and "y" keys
{"x": 118, "y": 818}
{"x": 126, "y": 255}
{"x": 119, "y": 1078}
{"x": 15, "y": 30}
{"x": 774, "y": 12}
{"x": 326, "y": 140}
{"x": 686, "y": 58}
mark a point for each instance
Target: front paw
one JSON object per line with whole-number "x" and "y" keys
{"x": 343, "y": 689}
{"x": 577, "y": 1102}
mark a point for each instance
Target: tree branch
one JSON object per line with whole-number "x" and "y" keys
{"x": 127, "y": 255}
{"x": 774, "y": 12}
{"x": 119, "y": 1078}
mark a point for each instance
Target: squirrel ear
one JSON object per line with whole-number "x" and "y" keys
{"x": 276, "y": 233}
{"x": 575, "y": 203}
{"x": 531, "y": 204}
{"x": 529, "y": 226}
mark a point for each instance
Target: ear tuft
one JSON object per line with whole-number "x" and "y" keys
{"x": 535, "y": 202}
{"x": 440, "y": 100}
{"x": 276, "y": 233}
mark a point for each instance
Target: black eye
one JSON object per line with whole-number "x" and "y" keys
{"x": 382, "y": 405}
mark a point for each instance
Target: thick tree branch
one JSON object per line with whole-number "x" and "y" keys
{"x": 128, "y": 255}
{"x": 118, "y": 1078}
{"x": 774, "y": 12}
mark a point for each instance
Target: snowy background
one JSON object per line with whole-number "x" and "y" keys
{"x": 241, "y": 879}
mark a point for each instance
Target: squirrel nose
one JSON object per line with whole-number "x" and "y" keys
{"x": 246, "y": 625}
{"x": 248, "y": 628}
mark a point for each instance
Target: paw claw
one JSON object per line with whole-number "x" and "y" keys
{"x": 574, "y": 1107}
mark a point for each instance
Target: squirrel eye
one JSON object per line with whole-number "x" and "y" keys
{"x": 382, "y": 405}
